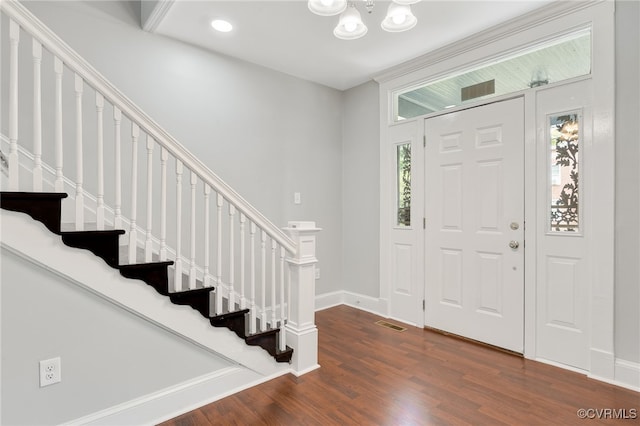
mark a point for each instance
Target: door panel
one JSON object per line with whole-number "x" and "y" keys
{"x": 405, "y": 292}
{"x": 564, "y": 279}
{"x": 474, "y": 191}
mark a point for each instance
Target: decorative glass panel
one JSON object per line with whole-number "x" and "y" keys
{"x": 564, "y": 132}
{"x": 563, "y": 58}
{"x": 403, "y": 168}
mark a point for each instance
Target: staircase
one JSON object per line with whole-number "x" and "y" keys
{"x": 46, "y": 208}
{"x": 229, "y": 263}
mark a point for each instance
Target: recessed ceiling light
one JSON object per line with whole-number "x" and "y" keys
{"x": 221, "y": 25}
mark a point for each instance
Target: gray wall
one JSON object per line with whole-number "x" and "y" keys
{"x": 108, "y": 355}
{"x": 627, "y": 235}
{"x": 265, "y": 133}
{"x": 361, "y": 190}
{"x": 289, "y": 134}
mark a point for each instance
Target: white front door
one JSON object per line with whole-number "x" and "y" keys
{"x": 474, "y": 209}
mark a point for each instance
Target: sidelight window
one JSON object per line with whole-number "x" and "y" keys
{"x": 564, "y": 177}
{"x": 403, "y": 176}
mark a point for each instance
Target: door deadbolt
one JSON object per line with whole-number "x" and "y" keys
{"x": 514, "y": 226}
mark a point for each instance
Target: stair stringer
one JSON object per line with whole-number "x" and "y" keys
{"x": 32, "y": 241}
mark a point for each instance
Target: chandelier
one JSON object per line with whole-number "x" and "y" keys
{"x": 350, "y": 25}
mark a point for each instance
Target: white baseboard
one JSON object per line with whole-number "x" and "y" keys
{"x": 627, "y": 374}
{"x": 563, "y": 366}
{"x": 370, "y": 304}
{"x": 176, "y": 400}
{"x": 602, "y": 365}
{"x": 329, "y": 300}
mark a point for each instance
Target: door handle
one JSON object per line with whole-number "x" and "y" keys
{"x": 514, "y": 244}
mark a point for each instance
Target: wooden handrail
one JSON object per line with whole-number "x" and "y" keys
{"x": 95, "y": 79}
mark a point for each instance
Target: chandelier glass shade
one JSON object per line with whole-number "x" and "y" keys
{"x": 327, "y": 7}
{"x": 350, "y": 25}
{"x": 399, "y": 18}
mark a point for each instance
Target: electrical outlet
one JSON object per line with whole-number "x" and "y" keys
{"x": 50, "y": 371}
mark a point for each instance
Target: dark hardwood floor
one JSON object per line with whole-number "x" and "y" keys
{"x": 373, "y": 375}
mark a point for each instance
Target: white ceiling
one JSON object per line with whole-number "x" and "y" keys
{"x": 287, "y": 37}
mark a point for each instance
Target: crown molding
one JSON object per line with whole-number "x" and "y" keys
{"x": 157, "y": 15}
{"x": 522, "y": 23}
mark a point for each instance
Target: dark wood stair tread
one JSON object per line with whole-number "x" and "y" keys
{"x": 191, "y": 292}
{"x": 104, "y": 244}
{"x": 234, "y": 321}
{"x": 95, "y": 232}
{"x": 153, "y": 273}
{"x": 230, "y": 315}
{"x": 198, "y": 299}
{"x": 45, "y": 207}
{"x": 147, "y": 265}
{"x": 6, "y": 195}
{"x": 284, "y": 356}
{"x": 268, "y": 340}
{"x": 262, "y": 334}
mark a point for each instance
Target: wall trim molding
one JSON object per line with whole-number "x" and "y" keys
{"x": 156, "y": 16}
{"x": 602, "y": 365}
{"x": 514, "y": 26}
{"x": 627, "y": 374}
{"x": 369, "y": 304}
{"x": 176, "y": 400}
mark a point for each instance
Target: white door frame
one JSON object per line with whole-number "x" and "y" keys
{"x": 532, "y": 28}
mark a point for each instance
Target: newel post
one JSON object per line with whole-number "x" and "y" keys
{"x": 302, "y": 334}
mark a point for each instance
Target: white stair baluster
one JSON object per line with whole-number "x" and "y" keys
{"x": 207, "y": 243}
{"x": 148, "y": 244}
{"x": 37, "y": 116}
{"x": 117, "y": 120}
{"x": 232, "y": 256}
{"x": 177, "y": 283}
{"x": 273, "y": 284}
{"x": 219, "y": 203}
{"x": 282, "y": 335}
{"x": 263, "y": 281}
{"x": 58, "y": 69}
{"x": 14, "y": 39}
{"x": 164, "y": 155}
{"x": 79, "y": 86}
{"x": 288, "y": 291}
{"x": 252, "y": 279}
{"x": 133, "y": 231}
{"x": 100, "y": 197}
{"x": 243, "y": 300}
{"x": 192, "y": 266}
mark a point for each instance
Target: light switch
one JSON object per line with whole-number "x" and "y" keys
{"x": 296, "y": 198}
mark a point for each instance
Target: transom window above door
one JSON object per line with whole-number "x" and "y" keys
{"x": 556, "y": 60}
